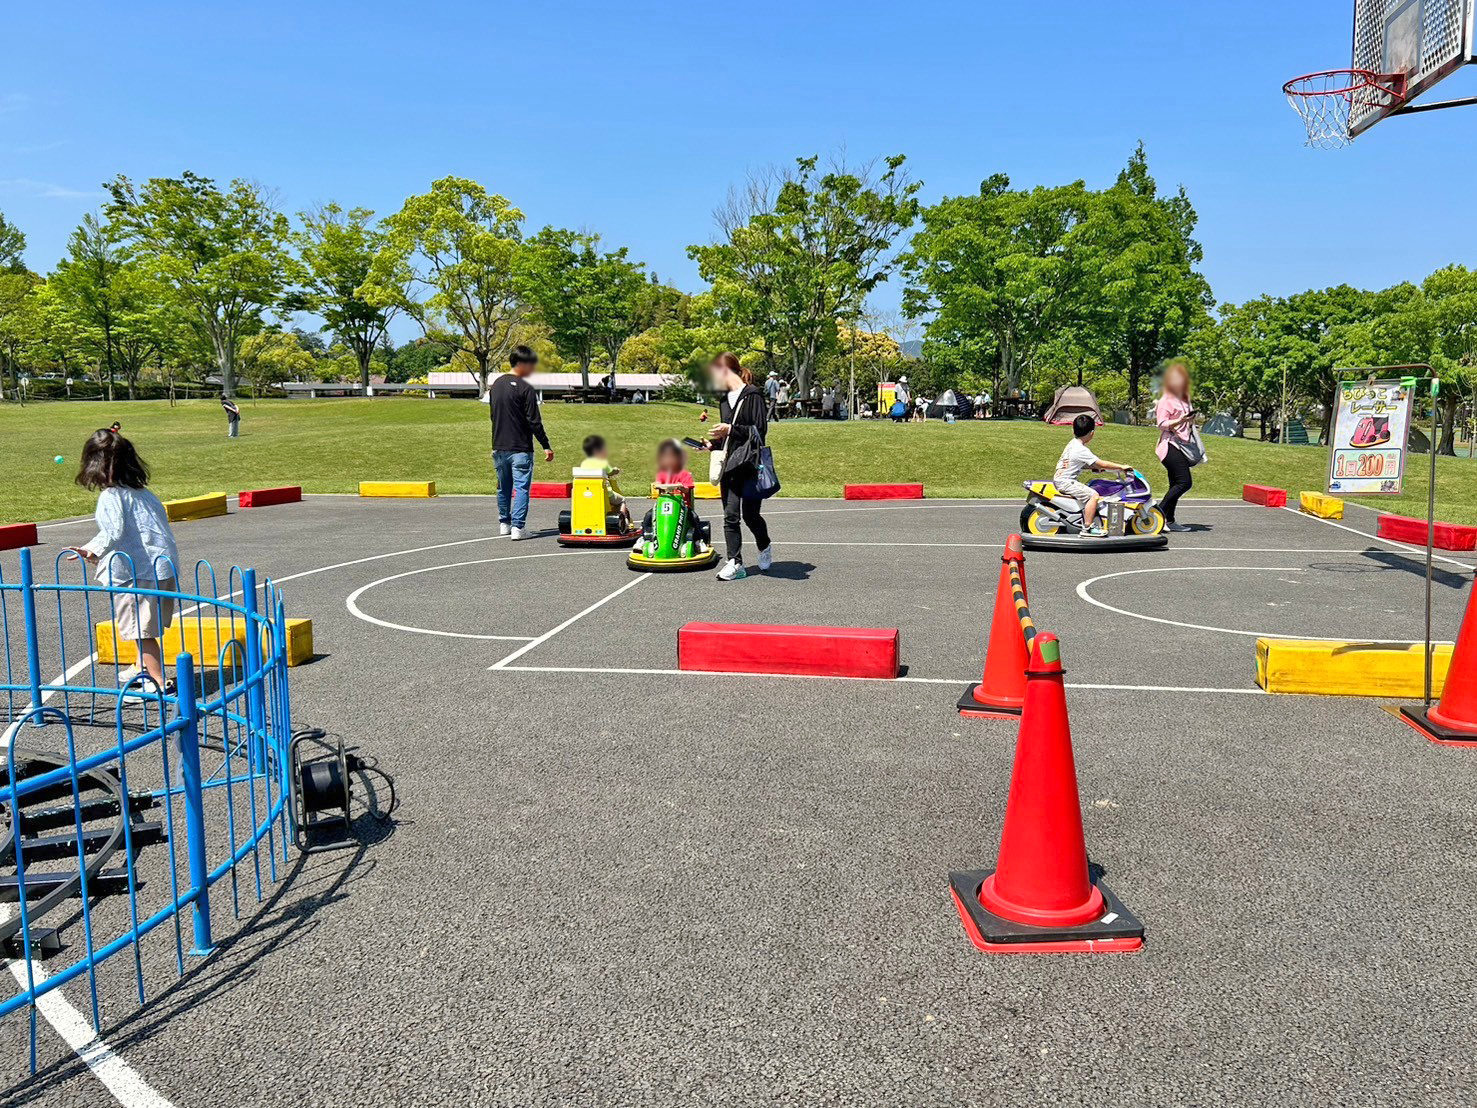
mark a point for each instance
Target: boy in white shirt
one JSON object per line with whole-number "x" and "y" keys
{"x": 1075, "y": 458}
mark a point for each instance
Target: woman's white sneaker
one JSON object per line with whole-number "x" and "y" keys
{"x": 732, "y": 571}
{"x": 766, "y": 558}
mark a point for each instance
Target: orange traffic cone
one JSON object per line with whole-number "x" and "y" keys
{"x": 1454, "y": 718}
{"x": 1002, "y": 687}
{"x": 1041, "y": 896}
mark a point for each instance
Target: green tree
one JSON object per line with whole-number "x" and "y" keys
{"x": 459, "y": 245}
{"x": 800, "y": 249}
{"x": 21, "y": 325}
{"x": 338, "y": 251}
{"x": 224, "y": 252}
{"x": 589, "y": 301}
{"x": 272, "y": 356}
{"x": 1437, "y": 324}
{"x": 12, "y": 247}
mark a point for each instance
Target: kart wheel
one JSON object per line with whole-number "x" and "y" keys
{"x": 1148, "y": 520}
{"x": 1035, "y": 522}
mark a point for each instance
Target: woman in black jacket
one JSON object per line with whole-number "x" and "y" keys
{"x": 740, "y": 435}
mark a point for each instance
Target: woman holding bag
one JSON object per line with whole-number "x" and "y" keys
{"x": 740, "y": 436}
{"x": 1179, "y": 445}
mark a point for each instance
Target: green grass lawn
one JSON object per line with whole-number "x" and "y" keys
{"x": 331, "y": 445}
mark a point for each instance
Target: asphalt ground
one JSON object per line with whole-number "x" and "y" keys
{"x": 613, "y": 884}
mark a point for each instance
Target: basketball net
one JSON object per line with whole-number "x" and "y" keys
{"x": 1326, "y": 101}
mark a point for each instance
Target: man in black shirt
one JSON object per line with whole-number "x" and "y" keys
{"x": 515, "y": 424}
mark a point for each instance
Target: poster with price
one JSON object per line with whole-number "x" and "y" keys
{"x": 1369, "y": 437}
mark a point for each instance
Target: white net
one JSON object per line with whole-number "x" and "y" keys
{"x": 1328, "y": 101}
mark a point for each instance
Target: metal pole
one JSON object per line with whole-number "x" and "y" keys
{"x": 1431, "y": 531}
{"x": 194, "y": 791}
{"x": 33, "y": 649}
{"x": 256, "y": 720}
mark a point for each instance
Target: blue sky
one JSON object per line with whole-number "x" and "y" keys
{"x": 633, "y": 119}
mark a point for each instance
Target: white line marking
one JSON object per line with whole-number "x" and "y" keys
{"x": 1401, "y": 547}
{"x": 955, "y": 681}
{"x": 351, "y": 601}
{"x": 547, "y": 635}
{"x": 1085, "y": 595}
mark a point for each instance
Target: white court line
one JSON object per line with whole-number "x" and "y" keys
{"x": 956, "y": 681}
{"x": 1085, "y": 595}
{"x": 547, "y": 635}
{"x": 1402, "y": 547}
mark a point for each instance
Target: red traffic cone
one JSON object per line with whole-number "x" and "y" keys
{"x": 1002, "y": 687}
{"x": 1041, "y": 895}
{"x": 1453, "y": 720}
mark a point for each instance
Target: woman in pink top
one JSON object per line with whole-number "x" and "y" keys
{"x": 1176, "y": 420}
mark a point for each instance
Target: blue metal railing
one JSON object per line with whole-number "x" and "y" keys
{"x": 209, "y": 756}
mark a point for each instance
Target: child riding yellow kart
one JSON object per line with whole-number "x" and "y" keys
{"x": 588, "y": 521}
{"x": 676, "y": 540}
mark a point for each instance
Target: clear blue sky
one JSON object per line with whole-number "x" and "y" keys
{"x": 633, "y": 118}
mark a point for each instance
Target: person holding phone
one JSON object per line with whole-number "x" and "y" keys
{"x": 740, "y": 434}
{"x": 1178, "y": 447}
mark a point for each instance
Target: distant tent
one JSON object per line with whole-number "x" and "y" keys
{"x": 948, "y": 401}
{"x": 1297, "y": 432}
{"x": 1071, "y": 401}
{"x": 1223, "y": 424}
{"x": 1417, "y": 442}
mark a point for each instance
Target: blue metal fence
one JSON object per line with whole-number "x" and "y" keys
{"x": 92, "y": 749}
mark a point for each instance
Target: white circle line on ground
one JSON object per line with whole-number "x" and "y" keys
{"x": 351, "y": 602}
{"x": 1087, "y": 596}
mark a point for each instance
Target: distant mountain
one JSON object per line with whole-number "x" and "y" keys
{"x": 913, "y": 348}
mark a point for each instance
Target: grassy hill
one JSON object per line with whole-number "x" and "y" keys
{"x": 331, "y": 445}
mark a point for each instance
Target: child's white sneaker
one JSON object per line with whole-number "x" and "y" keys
{"x": 766, "y": 558}
{"x": 733, "y": 570}
{"x": 504, "y": 528}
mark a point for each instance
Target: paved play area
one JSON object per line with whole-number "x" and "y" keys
{"x": 614, "y": 883}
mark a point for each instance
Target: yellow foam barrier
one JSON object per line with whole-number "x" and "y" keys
{"x": 397, "y": 488}
{"x": 1321, "y": 505}
{"x": 703, "y": 490}
{"x": 202, "y": 638}
{"x": 196, "y": 507}
{"x": 1349, "y": 668}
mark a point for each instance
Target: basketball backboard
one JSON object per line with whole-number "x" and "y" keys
{"x": 1424, "y": 41}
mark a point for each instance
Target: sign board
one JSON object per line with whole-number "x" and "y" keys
{"x": 1370, "y": 431}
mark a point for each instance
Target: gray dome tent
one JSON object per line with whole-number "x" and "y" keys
{"x": 1223, "y": 424}
{"x": 1071, "y": 401}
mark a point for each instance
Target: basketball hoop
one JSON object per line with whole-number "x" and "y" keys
{"x": 1327, "y": 100}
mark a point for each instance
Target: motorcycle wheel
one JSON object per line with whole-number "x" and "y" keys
{"x": 1148, "y": 520}
{"x": 1034, "y": 522}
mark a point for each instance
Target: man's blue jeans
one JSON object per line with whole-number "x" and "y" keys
{"x": 514, "y": 482}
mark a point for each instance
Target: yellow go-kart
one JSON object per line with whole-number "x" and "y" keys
{"x": 586, "y": 522}
{"x": 676, "y": 540}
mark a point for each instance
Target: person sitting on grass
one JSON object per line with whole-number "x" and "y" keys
{"x": 1075, "y": 458}
{"x": 597, "y": 456}
{"x": 134, "y": 549}
{"x": 672, "y": 475}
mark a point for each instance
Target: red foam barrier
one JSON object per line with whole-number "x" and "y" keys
{"x": 263, "y": 498}
{"x": 1449, "y": 536}
{"x": 803, "y": 651}
{"x": 550, "y": 490}
{"x": 13, "y": 535}
{"x": 1265, "y": 495}
{"x": 882, "y": 492}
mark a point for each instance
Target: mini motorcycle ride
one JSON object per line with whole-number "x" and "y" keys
{"x": 674, "y": 544}
{"x": 586, "y": 522}
{"x": 1051, "y": 520}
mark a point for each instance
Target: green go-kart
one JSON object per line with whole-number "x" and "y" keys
{"x": 675, "y": 541}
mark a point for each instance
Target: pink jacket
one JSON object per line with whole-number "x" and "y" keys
{"x": 1169, "y": 409}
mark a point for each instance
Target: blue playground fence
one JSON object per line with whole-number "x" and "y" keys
{"x": 151, "y": 796}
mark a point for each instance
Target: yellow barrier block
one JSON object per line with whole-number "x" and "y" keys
{"x": 397, "y": 488}
{"x": 1349, "y": 668}
{"x": 702, "y": 490}
{"x": 1321, "y": 505}
{"x": 196, "y": 507}
{"x": 203, "y": 638}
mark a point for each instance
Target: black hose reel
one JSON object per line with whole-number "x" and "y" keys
{"x": 321, "y": 792}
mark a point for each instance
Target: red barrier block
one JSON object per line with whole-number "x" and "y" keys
{"x": 1448, "y": 536}
{"x": 1265, "y": 495}
{"x": 263, "y": 498}
{"x": 550, "y": 490}
{"x": 18, "y": 534}
{"x": 882, "y": 492}
{"x": 804, "y": 651}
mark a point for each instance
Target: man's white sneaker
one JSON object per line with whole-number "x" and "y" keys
{"x": 519, "y": 533}
{"x": 732, "y": 571}
{"x": 504, "y": 528}
{"x": 766, "y": 558}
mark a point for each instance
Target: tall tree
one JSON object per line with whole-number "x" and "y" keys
{"x": 459, "y": 246}
{"x": 12, "y": 247}
{"x": 224, "y": 252}
{"x": 800, "y": 249}
{"x": 588, "y": 300}
{"x": 338, "y": 250}
{"x": 20, "y": 324}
